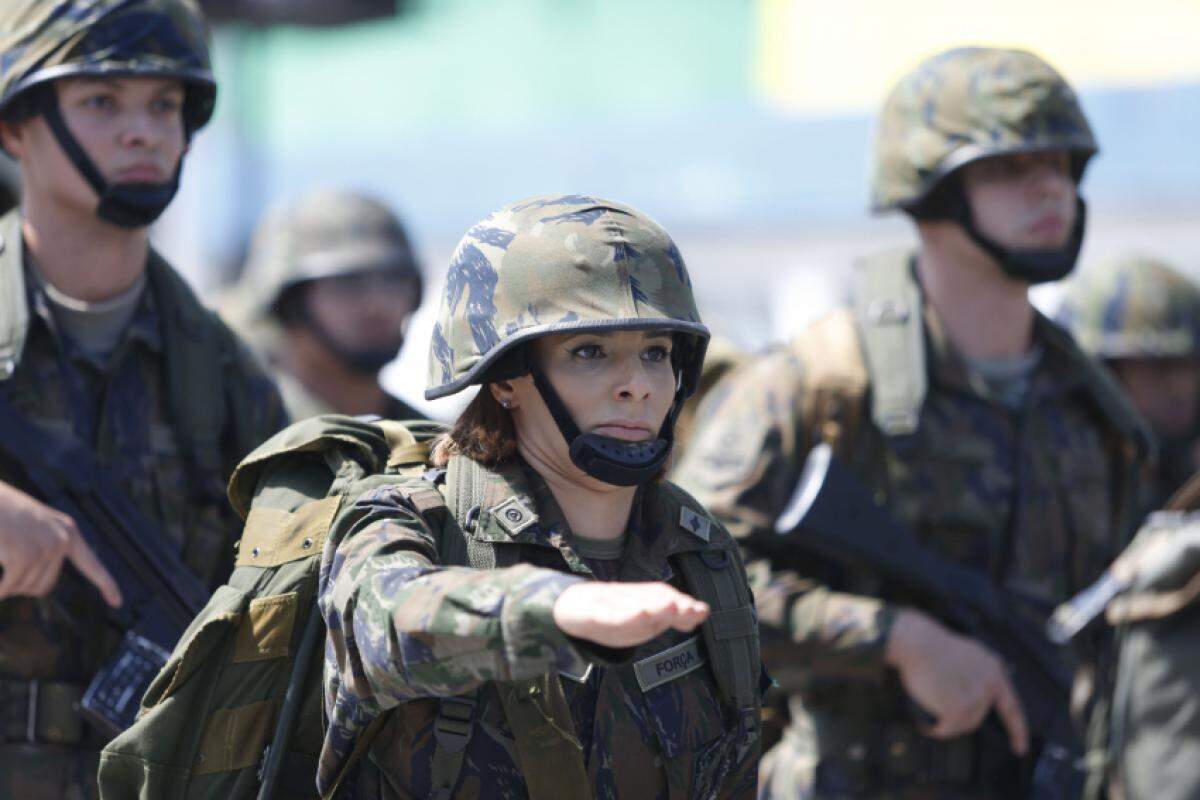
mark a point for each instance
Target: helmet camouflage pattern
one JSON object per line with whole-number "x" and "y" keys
{"x": 43, "y": 40}
{"x": 324, "y": 234}
{"x": 557, "y": 264}
{"x": 1133, "y": 307}
{"x": 966, "y": 104}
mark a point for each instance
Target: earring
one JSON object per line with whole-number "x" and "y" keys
{"x": 506, "y": 404}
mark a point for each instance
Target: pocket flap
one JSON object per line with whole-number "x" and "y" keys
{"x": 275, "y": 536}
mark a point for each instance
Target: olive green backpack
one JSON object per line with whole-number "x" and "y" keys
{"x": 209, "y": 716}
{"x": 240, "y": 698}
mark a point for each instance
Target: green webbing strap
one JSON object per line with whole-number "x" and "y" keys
{"x": 548, "y": 751}
{"x": 465, "y": 485}
{"x": 887, "y": 309}
{"x": 730, "y": 632}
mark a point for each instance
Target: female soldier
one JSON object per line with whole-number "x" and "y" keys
{"x": 564, "y": 623}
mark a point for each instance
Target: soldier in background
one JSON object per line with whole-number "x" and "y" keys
{"x": 977, "y": 422}
{"x": 103, "y": 344}
{"x": 329, "y": 286}
{"x": 722, "y": 358}
{"x": 1142, "y": 318}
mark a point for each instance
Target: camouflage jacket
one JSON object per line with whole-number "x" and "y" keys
{"x": 1038, "y": 499}
{"x": 121, "y": 411}
{"x": 404, "y": 630}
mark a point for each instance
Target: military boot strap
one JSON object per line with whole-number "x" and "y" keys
{"x": 41, "y": 711}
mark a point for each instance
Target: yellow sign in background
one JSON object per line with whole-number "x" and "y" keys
{"x": 820, "y": 57}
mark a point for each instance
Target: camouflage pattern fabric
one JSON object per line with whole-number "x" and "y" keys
{"x": 405, "y": 630}
{"x": 43, "y": 41}
{"x": 1030, "y": 498}
{"x": 721, "y": 358}
{"x": 324, "y": 234}
{"x": 966, "y": 104}
{"x": 1134, "y": 306}
{"x": 122, "y": 411}
{"x": 549, "y": 265}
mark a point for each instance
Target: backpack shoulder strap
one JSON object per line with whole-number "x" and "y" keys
{"x": 14, "y": 303}
{"x": 718, "y": 577}
{"x": 551, "y": 757}
{"x": 887, "y": 311}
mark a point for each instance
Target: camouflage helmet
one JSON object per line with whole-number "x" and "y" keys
{"x": 1133, "y": 307}
{"x": 967, "y": 104}
{"x": 326, "y": 233}
{"x": 556, "y": 264}
{"x": 41, "y": 41}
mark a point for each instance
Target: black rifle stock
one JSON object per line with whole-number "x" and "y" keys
{"x": 160, "y": 595}
{"x": 832, "y": 516}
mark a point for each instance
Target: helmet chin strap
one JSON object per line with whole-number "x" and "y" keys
{"x": 1031, "y": 266}
{"x": 126, "y": 205}
{"x": 363, "y": 361}
{"x": 605, "y": 458}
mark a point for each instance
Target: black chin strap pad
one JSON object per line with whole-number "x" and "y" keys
{"x": 1030, "y": 266}
{"x": 613, "y": 461}
{"x": 127, "y": 205}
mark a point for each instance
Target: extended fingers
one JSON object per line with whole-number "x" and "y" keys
{"x": 1008, "y": 708}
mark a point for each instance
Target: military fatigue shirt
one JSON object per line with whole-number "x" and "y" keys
{"x": 405, "y": 629}
{"x": 1032, "y": 498}
{"x": 121, "y": 412}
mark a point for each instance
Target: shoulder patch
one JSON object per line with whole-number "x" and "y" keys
{"x": 695, "y": 524}
{"x": 514, "y": 515}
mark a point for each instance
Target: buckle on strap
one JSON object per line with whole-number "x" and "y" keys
{"x": 455, "y": 720}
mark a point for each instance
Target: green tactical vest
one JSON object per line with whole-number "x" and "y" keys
{"x": 243, "y": 687}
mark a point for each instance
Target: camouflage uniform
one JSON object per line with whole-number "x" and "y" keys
{"x": 404, "y": 628}
{"x": 1137, "y": 307}
{"x": 721, "y": 358}
{"x": 123, "y": 411}
{"x": 324, "y": 234}
{"x": 1036, "y": 496}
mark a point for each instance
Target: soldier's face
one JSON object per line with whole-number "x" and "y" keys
{"x": 1024, "y": 201}
{"x": 362, "y": 311}
{"x": 619, "y": 384}
{"x": 1165, "y": 391}
{"x": 131, "y": 128}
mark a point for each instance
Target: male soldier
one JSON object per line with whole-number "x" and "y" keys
{"x": 104, "y": 346}
{"x": 1143, "y": 319}
{"x": 330, "y": 283}
{"x": 975, "y": 420}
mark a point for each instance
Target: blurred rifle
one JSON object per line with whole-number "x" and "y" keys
{"x": 832, "y": 516}
{"x": 161, "y": 595}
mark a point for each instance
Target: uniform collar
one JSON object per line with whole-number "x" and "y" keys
{"x": 518, "y": 507}
{"x": 1058, "y": 372}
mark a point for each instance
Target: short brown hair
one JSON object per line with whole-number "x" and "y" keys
{"x": 483, "y": 432}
